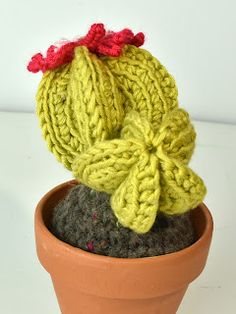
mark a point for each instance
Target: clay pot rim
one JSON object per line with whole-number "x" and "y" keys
{"x": 61, "y": 245}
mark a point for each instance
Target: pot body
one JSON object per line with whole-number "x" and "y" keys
{"x": 73, "y": 301}
{"x": 87, "y": 283}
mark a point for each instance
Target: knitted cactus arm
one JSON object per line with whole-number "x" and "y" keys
{"x": 182, "y": 188}
{"x": 136, "y": 201}
{"x": 106, "y": 164}
{"x": 148, "y": 176}
{"x": 177, "y": 136}
{"x": 124, "y": 168}
{"x": 146, "y": 84}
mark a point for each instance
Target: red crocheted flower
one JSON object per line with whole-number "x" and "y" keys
{"x": 97, "y": 41}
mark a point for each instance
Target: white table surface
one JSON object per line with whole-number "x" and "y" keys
{"x": 28, "y": 170}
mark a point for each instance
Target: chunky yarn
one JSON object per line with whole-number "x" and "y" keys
{"x": 145, "y": 82}
{"x": 109, "y": 112}
{"x": 144, "y": 171}
{"x": 77, "y": 105}
{"x": 97, "y": 40}
{"x": 85, "y": 219}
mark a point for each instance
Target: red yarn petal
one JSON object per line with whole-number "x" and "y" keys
{"x": 36, "y": 63}
{"x": 97, "y": 41}
{"x": 138, "y": 39}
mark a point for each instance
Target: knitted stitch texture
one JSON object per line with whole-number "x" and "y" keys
{"x": 115, "y": 122}
{"x": 85, "y": 219}
{"x": 78, "y": 104}
{"x": 144, "y": 171}
{"x": 148, "y": 87}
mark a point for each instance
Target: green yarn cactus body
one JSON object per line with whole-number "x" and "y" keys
{"x": 83, "y": 96}
{"x": 114, "y": 121}
{"x": 148, "y": 87}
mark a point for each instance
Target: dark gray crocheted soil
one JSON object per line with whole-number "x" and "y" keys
{"x": 85, "y": 219}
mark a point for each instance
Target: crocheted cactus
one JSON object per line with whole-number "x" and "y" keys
{"x": 109, "y": 112}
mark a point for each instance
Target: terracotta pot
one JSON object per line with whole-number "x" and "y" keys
{"x": 86, "y": 283}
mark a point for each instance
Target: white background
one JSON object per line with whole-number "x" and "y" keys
{"x": 195, "y": 40}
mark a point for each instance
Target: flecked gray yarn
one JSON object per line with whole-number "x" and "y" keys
{"x": 85, "y": 219}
